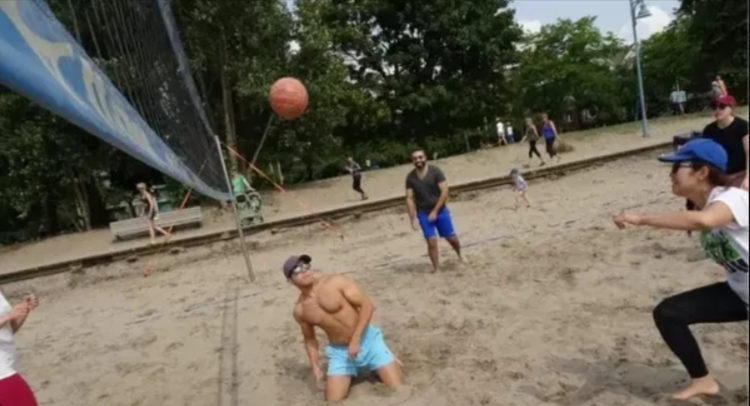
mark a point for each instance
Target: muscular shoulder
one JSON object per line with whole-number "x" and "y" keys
{"x": 298, "y": 311}
{"x": 338, "y": 281}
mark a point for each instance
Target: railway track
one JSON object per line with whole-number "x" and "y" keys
{"x": 328, "y": 215}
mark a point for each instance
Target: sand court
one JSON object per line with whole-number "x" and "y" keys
{"x": 554, "y": 308}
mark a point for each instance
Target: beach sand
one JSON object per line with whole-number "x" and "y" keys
{"x": 554, "y": 308}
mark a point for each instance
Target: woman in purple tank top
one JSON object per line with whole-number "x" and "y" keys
{"x": 549, "y": 132}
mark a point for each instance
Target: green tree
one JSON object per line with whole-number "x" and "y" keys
{"x": 718, "y": 29}
{"x": 569, "y": 67}
{"x": 667, "y": 63}
{"x": 310, "y": 142}
{"x": 237, "y": 49}
{"x": 49, "y": 169}
{"x": 438, "y": 67}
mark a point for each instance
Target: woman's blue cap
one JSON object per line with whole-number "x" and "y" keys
{"x": 701, "y": 150}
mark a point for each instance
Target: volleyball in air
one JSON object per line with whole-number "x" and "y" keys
{"x": 288, "y": 98}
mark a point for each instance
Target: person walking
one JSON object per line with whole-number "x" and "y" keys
{"x": 532, "y": 136}
{"x": 549, "y": 131}
{"x": 356, "y": 171}
{"x": 150, "y": 210}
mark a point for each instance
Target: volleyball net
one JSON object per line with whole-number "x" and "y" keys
{"x": 116, "y": 69}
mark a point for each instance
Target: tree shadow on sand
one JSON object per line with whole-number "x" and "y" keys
{"x": 651, "y": 384}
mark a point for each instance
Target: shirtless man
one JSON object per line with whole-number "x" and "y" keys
{"x": 337, "y": 305}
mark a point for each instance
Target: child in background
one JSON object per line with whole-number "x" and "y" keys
{"x": 520, "y": 187}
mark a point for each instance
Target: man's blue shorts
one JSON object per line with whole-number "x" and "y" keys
{"x": 373, "y": 355}
{"x": 442, "y": 226}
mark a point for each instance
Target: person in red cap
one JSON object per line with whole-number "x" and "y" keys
{"x": 336, "y": 305}
{"x": 730, "y": 132}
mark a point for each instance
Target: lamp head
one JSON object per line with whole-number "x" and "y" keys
{"x": 643, "y": 11}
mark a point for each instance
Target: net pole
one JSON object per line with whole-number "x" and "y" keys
{"x": 263, "y": 139}
{"x": 240, "y": 231}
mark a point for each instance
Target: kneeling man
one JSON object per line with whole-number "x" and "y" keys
{"x": 335, "y": 304}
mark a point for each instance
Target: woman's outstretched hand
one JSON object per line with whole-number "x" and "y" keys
{"x": 622, "y": 219}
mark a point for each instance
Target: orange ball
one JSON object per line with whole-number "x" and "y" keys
{"x": 288, "y": 98}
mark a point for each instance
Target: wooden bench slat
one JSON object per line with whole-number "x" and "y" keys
{"x": 130, "y": 227}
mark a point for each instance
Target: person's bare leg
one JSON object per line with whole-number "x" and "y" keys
{"x": 152, "y": 231}
{"x": 162, "y": 231}
{"x": 456, "y": 244}
{"x": 699, "y": 387}
{"x": 432, "y": 249}
{"x": 337, "y": 387}
{"x": 525, "y": 199}
{"x": 391, "y": 375}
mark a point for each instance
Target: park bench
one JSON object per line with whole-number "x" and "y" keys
{"x": 135, "y": 227}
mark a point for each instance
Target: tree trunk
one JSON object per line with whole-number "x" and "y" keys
{"x": 280, "y": 172}
{"x": 82, "y": 202}
{"x": 97, "y": 208}
{"x": 52, "y": 222}
{"x": 226, "y": 96}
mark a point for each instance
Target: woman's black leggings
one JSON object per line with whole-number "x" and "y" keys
{"x": 550, "y": 144}
{"x": 533, "y": 150}
{"x": 357, "y": 184}
{"x": 710, "y": 304}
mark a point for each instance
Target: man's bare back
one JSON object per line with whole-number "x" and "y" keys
{"x": 326, "y": 307}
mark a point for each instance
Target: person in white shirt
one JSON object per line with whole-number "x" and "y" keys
{"x": 14, "y": 391}
{"x": 677, "y": 98}
{"x": 500, "y": 129}
{"x": 681, "y": 100}
{"x": 509, "y": 133}
{"x": 698, "y": 175}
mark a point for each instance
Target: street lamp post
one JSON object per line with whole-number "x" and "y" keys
{"x": 642, "y": 13}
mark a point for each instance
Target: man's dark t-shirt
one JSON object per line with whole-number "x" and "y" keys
{"x": 731, "y": 139}
{"x": 426, "y": 190}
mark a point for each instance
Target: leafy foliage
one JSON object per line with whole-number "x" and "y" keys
{"x": 383, "y": 76}
{"x": 718, "y": 30}
{"x": 568, "y": 67}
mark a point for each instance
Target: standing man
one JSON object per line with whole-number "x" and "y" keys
{"x": 356, "y": 171}
{"x": 336, "y": 305}
{"x": 678, "y": 106}
{"x": 426, "y": 196}
{"x": 509, "y": 133}
{"x": 681, "y": 99}
{"x": 500, "y": 129}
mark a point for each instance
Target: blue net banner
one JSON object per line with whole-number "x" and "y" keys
{"x": 40, "y": 60}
